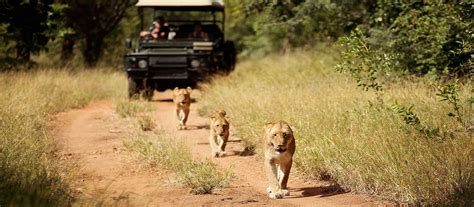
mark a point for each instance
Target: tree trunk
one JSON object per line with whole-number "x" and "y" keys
{"x": 67, "y": 48}
{"x": 23, "y": 53}
{"x": 92, "y": 50}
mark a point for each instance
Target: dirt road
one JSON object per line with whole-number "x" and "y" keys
{"x": 92, "y": 138}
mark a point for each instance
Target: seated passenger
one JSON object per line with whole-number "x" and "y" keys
{"x": 198, "y": 32}
{"x": 158, "y": 30}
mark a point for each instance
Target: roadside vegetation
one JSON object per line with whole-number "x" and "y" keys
{"x": 130, "y": 108}
{"x": 29, "y": 170}
{"x": 158, "y": 148}
{"x": 367, "y": 141}
{"x": 389, "y": 113}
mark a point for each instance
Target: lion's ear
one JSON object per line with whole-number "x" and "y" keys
{"x": 222, "y": 112}
{"x": 176, "y": 90}
{"x": 268, "y": 126}
{"x": 189, "y": 89}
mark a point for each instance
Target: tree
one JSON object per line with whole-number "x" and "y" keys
{"x": 27, "y": 25}
{"x": 93, "y": 20}
{"x": 278, "y": 24}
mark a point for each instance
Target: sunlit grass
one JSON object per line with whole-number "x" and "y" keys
{"x": 346, "y": 132}
{"x": 29, "y": 170}
{"x": 161, "y": 149}
{"x": 132, "y": 108}
{"x": 146, "y": 123}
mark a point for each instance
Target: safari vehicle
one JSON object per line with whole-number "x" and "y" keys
{"x": 177, "y": 60}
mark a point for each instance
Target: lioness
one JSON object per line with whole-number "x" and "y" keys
{"x": 182, "y": 99}
{"x": 279, "y": 149}
{"x": 219, "y": 133}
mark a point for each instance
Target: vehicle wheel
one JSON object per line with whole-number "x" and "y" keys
{"x": 230, "y": 55}
{"x": 133, "y": 91}
{"x": 148, "y": 93}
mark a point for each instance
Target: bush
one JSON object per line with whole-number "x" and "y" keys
{"x": 425, "y": 38}
{"x": 262, "y": 27}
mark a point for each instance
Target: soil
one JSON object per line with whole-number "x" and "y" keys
{"x": 90, "y": 142}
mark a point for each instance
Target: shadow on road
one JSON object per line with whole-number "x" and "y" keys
{"x": 322, "y": 191}
{"x": 169, "y": 100}
{"x": 197, "y": 127}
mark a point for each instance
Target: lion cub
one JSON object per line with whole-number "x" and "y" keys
{"x": 279, "y": 149}
{"x": 182, "y": 99}
{"x": 219, "y": 133}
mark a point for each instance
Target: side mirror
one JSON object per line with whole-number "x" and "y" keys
{"x": 128, "y": 43}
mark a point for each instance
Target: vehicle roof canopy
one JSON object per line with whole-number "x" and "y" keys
{"x": 183, "y": 5}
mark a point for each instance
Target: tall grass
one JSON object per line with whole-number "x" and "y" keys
{"x": 159, "y": 149}
{"x": 132, "y": 108}
{"x": 29, "y": 169}
{"x": 347, "y": 133}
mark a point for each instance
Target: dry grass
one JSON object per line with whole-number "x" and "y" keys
{"x": 146, "y": 123}
{"x": 346, "y": 133}
{"x": 29, "y": 169}
{"x": 133, "y": 108}
{"x": 160, "y": 149}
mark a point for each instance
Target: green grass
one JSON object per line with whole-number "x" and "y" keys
{"x": 29, "y": 170}
{"x": 345, "y": 132}
{"x": 160, "y": 149}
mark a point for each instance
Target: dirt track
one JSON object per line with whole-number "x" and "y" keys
{"x": 92, "y": 139}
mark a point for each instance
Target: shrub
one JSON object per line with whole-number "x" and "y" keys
{"x": 428, "y": 37}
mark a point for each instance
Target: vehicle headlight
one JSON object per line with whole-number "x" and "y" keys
{"x": 195, "y": 63}
{"x": 142, "y": 63}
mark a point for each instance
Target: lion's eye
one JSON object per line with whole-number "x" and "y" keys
{"x": 274, "y": 135}
{"x": 284, "y": 134}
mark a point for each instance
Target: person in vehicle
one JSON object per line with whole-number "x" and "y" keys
{"x": 157, "y": 31}
{"x": 198, "y": 32}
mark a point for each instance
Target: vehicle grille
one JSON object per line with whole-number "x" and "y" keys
{"x": 169, "y": 67}
{"x": 168, "y": 62}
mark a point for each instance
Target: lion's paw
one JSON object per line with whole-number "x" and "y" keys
{"x": 221, "y": 154}
{"x": 277, "y": 195}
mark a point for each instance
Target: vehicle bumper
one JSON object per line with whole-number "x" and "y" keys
{"x": 161, "y": 74}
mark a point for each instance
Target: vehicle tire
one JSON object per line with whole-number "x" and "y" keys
{"x": 133, "y": 89}
{"x": 148, "y": 93}
{"x": 230, "y": 56}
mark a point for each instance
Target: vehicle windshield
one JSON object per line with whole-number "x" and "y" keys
{"x": 181, "y": 25}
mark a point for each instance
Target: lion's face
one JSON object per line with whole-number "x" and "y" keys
{"x": 278, "y": 136}
{"x": 182, "y": 96}
{"x": 219, "y": 123}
